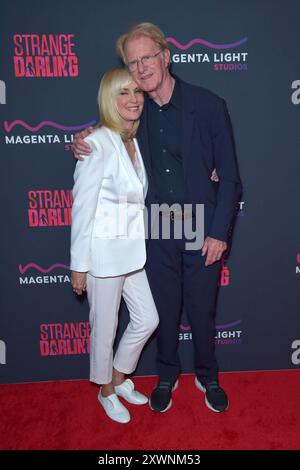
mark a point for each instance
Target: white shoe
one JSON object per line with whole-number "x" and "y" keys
{"x": 126, "y": 391}
{"x": 114, "y": 408}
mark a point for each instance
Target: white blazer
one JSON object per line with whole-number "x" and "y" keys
{"x": 108, "y": 231}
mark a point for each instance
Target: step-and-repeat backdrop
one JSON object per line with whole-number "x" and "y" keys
{"x": 52, "y": 55}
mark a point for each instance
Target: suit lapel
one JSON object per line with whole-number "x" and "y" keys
{"x": 143, "y": 138}
{"x": 141, "y": 162}
{"x": 124, "y": 157}
{"x": 188, "y": 123}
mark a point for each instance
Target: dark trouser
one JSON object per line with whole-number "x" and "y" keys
{"x": 178, "y": 277}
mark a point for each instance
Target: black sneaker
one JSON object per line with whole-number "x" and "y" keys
{"x": 215, "y": 397}
{"x": 161, "y": 397}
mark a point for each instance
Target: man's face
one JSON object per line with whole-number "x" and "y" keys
{"x": 149, "y": 77}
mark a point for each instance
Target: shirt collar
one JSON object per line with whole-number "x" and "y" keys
{"x": 175, "y": 99}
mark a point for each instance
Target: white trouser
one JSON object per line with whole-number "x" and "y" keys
{"x": 104, "y": 296}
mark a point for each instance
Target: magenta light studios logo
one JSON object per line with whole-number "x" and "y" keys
{"x": 45, "y": 132}
{"x": 225, "y": 334}
{"x": 33, "y": 275}
{"x": 298, "y": 263}
{"x": 227, "y": 57}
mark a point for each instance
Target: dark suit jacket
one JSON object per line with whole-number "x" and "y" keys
{"x": 207, "y": 143}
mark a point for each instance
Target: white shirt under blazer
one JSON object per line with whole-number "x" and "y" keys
{"x": 108, "y": 231}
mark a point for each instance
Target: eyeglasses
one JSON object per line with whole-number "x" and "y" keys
{"x": 146, "y": 60}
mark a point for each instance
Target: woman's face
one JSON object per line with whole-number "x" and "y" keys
{"x": 130, "y": 102}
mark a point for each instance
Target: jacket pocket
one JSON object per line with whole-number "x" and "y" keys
{"x": 110, "y": 221}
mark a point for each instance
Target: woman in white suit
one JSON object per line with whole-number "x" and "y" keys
{"x": 108, "y": 242}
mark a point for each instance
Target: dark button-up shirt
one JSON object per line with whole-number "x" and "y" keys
{"x": 165, "y": 146}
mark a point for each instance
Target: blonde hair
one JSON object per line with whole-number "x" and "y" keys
{"x": 149, "y": 30}
{"x": 111, "y": 83}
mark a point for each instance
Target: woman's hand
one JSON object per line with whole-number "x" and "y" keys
{"x": 78, "y": 281}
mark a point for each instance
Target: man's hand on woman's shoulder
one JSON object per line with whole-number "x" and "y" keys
{"x": 79, "y": 146}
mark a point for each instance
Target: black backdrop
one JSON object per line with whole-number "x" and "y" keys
{"x": 52, "y": 55}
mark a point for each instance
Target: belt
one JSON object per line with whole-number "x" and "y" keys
{"x": 172, "y": 215}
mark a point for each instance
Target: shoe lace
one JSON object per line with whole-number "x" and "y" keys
{"x": 164, "y": 385}
{"x": 214, "y": 386}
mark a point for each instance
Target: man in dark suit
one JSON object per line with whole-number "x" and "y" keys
{"x": 184, "y": 134}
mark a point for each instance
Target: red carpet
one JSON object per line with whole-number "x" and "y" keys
{"x": 264, "y": 413}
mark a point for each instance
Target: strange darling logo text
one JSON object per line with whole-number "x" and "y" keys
{"x": 49, "y": 208}
{"x": 61, "y": 339}
{"x": 45, "y": 55}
